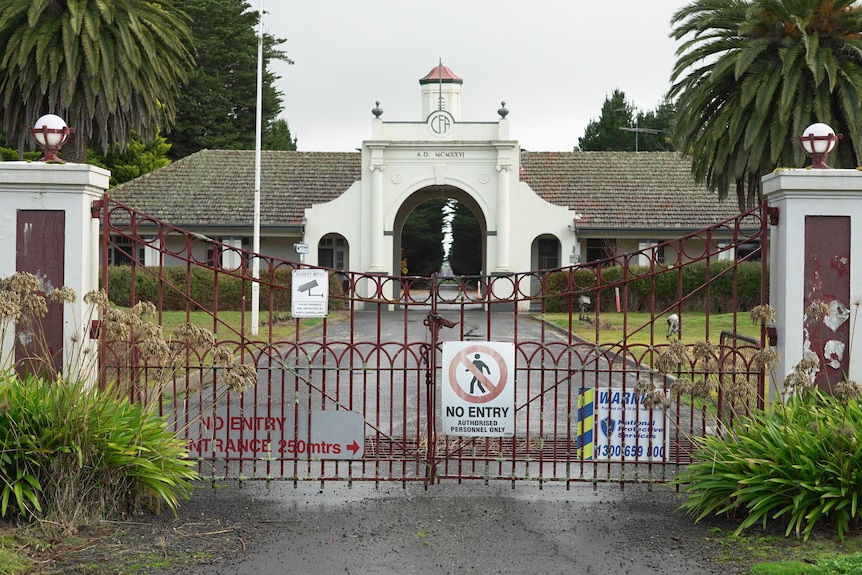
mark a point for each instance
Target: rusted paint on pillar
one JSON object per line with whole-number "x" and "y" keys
{"x": 39, "y": 250}
{"x": 827, "y": 279}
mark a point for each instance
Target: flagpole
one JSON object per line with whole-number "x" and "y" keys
{"x": 255, "y": 266}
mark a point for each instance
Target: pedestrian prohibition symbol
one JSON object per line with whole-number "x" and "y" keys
{"x": 478, "y": 391}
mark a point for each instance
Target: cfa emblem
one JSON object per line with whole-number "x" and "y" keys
{"x": 440, "y": 122}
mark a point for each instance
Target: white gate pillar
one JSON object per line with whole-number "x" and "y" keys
{"x": 32, "y": 187}
{"x": 810, "y": 259}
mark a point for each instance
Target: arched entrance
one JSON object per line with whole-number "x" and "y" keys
{"x": 436, "y": 192}
{"x": 545, "y": 253}
{"x": 545, "y": 256}
{"x": 333, "y": 251}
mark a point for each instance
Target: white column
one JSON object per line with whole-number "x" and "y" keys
{"x": 504, "y": 226}
{"x": 72, "y": 189}
{"x": 797, "y": 193}
{"x": 376, "y": 232}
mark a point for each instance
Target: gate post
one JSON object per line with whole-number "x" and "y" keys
{"x": 433, "y": 322}
{"x": 819, "y": 219}
{"x": 37, "y": 197}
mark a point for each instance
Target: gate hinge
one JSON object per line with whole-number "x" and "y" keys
{"x": 772, "y": 335}
{"x": 95, "y": 329}
{"x": 96, "y": 208}
{"x": 772, "y": 215}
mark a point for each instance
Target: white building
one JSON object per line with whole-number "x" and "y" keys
{"x": 537, "y": 210}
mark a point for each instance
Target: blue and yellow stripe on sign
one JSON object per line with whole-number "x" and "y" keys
{"x": 586, "y": 422}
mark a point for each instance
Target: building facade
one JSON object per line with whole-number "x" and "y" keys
{"x": 536, "y": 210}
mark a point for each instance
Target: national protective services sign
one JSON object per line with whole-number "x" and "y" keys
{"x": 478, "y": 390}
{"x": 626, "y": 429}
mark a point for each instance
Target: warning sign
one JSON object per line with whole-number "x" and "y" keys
{"x": 478, "y": 391}
{"x": 586, "y": 422}
{"x": 309, "y": 293}
{"x": 627, "y": 429}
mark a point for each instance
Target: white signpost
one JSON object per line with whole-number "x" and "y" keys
{"x": 478, "y": 391}
{"x": 309, "y": 293}
{"x": 627, "y": 429}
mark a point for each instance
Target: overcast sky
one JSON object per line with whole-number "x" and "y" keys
{"x": 552, "y": 61}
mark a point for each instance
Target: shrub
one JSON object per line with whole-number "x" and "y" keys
{"x": 72, "y": 454}
{"x": 564, "y": 286}
{"x": 641, "y": 286}
{"x": 70, "y": 451}
{"x": 800, "y": 464}
{"x": 233, "y": 292}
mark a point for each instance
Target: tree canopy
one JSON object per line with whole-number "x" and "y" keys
{"x": 751, "y": 75}
{"x": 136, "y": 159}
{"x": 105, "y": 67}
{"x": 422, "y": 238}
{"x": 622, "y": 127}
{"x": 218, "y": 104}
{"x": 465, "y": 253}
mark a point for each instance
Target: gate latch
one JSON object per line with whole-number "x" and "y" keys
{"x": 435, "y": 322}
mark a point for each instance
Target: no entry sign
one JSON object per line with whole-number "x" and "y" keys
{"x": 478, "y": 390}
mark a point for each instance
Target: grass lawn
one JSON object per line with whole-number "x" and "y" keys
{"x": 824, "y": 565}
{"x": 692, "y": 326}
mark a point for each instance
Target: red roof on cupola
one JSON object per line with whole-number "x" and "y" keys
{"x": 441, "y": 73}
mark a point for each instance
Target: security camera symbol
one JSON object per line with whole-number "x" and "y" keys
{"x": 307, "y": 287}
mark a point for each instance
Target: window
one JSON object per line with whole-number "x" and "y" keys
{"x": 749, "y": 251}
{"x": 121, "y": 251}
{"x": 228, "y": 256}
{"x": 650, "y": 251}
{"x": 213, "y": 255}
{"x": 331, "y": 252}
{"x": 549, "y": 253}
{"x": 599, "y": 249}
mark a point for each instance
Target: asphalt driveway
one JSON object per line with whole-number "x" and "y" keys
{"x": 456, "y": 529}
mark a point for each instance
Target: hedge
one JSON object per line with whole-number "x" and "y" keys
{"x": 665, "y": 287}
{"x": 201, "y": 287}
{"x": 640, "y": 288}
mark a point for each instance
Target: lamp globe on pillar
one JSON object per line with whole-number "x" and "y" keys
{"x": 818, "y": 140}
{"x": 51, "y": 132}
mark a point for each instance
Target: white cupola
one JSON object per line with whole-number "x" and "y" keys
{"x": 441, "y": 90}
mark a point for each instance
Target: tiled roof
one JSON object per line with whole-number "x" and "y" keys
{"x": 612, "y": 190}
{"x": 441, "y": 73}
{"x": 635, "y": 190}
{"x": 216, "y": 187}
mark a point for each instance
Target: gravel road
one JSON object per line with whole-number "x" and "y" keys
{"x": 457, "y": 529}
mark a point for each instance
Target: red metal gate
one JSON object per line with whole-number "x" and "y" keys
{"x": 600, "y": 367}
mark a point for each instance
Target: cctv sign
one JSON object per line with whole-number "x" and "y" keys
{"x": 310, "y": 293}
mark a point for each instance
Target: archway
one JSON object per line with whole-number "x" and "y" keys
{"x": 429, "y": 193}
{"x": 545, "y": 256}
{"x": 545, "y": 253}
{"x": 333, "y": 251}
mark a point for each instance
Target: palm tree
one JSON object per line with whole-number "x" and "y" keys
{"x": 751, "y": 75}
{"x": 106, "y": 66}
